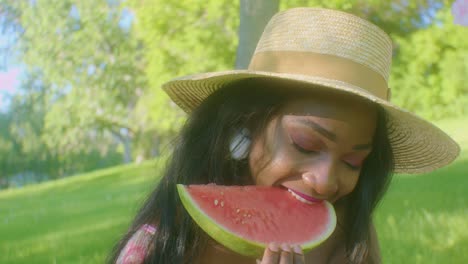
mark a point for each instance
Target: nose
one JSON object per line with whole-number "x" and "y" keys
{"x": 322, "y": 179}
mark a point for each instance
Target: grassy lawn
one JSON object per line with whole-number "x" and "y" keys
{"x": 74, "y": 220}
{"x": 423, "y": 219}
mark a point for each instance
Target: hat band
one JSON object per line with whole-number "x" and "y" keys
{"x": 321, "y": 65}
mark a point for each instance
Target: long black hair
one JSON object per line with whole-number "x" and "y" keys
{"x": 201, "y": 155}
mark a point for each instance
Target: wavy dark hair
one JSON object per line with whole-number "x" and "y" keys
{"x": 201, "y": 155}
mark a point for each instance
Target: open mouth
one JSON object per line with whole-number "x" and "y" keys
{"x": 303, "y": 197}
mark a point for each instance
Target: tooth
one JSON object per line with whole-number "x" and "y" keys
{"x": 299, "y": 198}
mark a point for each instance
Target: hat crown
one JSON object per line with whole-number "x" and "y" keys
{"x": 330, "y": 32}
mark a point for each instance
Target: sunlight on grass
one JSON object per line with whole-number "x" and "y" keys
{"x": 72, "y": 220}
{"x": 424, "y": 218}
{"x": 53, "y": 240}
{"x": 424, "y": 237}
{"x": 434, "y": 231}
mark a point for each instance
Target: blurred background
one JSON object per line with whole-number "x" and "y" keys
{"x": 85, "y": 126}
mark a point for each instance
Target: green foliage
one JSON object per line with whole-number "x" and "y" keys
{"x": 101, "y": 79}
{"x": 181, "y": 38}
{"x": 430, "y": 72}
{"x": 23, "y": 150}
{"x": 94, "y": 69}
{"x": 104, "y": 81}
{"x": 7, "y": 147}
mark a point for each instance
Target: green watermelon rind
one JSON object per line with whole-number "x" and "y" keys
{"x": 236, "y": 243}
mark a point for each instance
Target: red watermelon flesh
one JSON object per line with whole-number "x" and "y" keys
{"x": 247, "y": 218}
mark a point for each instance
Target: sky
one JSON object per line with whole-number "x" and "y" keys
{"x": 9, "y": 71}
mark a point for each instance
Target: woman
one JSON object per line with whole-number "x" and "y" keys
{"x": 311, "y": 114}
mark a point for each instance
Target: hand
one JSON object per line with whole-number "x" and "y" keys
{"x": 283, "y": 254}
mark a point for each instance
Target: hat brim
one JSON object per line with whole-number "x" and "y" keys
{"x": 418, "y": 146}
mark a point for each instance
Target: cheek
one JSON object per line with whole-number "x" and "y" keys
{"x": 268, "y": 165}
{"x": 348, "y": 184}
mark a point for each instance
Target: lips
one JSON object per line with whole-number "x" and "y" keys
{"x": 303, "y": 197}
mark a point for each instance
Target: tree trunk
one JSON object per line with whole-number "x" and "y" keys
{"x": 254, "y": 15}
{"x": 125, "y": 138}
{"x": 127, "y": 143}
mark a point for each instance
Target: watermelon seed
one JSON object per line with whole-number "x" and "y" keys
{"x": 216, "y": 202}
{"x": 222, "y": 203}
{"x": 248, "y": 215}
{"x": 238, "y": 210}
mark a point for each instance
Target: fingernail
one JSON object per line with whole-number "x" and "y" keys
{"x": 285, "y": 247}
{"x": 258, "y": 261}
{"x": 273, "y": 247}
{"x": 297, "y": 249}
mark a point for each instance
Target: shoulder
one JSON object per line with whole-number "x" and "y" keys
{"x": 137, "y": 246}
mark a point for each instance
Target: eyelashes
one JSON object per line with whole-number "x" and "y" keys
{"x": 304, "y": 144}
{"x": 315, "y": 150}
{"x": 352, "y": 167}
{"x": 301, "y": 149}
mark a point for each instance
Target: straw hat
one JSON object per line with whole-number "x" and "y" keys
{"x": 336, "y": 50}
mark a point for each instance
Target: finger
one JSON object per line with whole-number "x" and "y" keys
{"x": 298, "y": 255}
{"x": 287, "y": 256}
{"x": 271, "y": 254}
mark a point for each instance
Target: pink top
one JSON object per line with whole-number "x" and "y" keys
{"x": 137, "y": 246}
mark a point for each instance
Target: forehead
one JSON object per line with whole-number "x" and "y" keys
{"x": 344, "y": 115}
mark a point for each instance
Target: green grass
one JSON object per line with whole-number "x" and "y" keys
{"x": 423, "y": 219}
{"x": 73, "y": 220}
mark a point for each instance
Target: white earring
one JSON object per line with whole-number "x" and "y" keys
{"x": 240, "y": 144}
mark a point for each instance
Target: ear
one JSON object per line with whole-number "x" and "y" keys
{"x": 239, "y": 145}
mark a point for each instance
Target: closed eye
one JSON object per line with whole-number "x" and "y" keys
{"x": 303, "y": 150}
{"x": 352, "y": 167}
{"x": 354, "y": 162}
{"x": 303, "y": 142}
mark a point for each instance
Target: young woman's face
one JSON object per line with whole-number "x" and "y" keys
{"x": 315, "y": 147}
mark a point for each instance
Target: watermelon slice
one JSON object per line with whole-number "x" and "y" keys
{"x": 246, "y": 218}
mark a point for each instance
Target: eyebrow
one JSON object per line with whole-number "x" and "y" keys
{"x": 326, "y": 133}
{"x": 330, "y": 135}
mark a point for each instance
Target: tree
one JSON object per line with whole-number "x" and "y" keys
{"x": 180, "y": 38}
{"x": 254, "y": 15}
{"x": 87, "y": 53}
{"x": 22, "y": 148}
{"x": 100, "y": 65}
{"x": 7, "y": 147}
{"x": 430, "y": 75}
